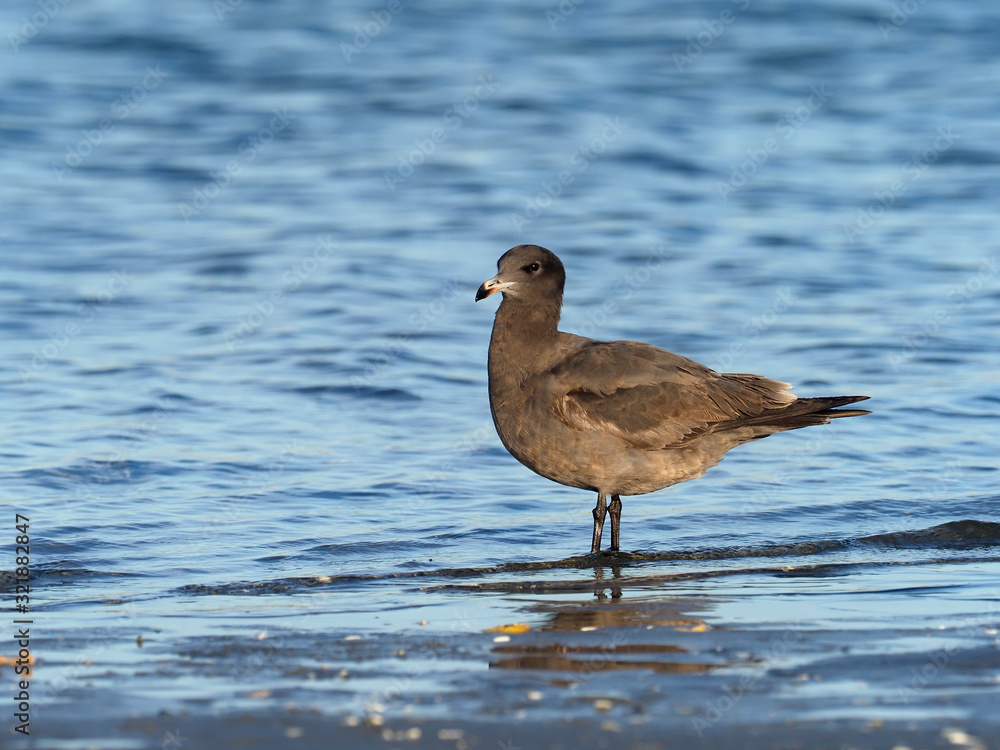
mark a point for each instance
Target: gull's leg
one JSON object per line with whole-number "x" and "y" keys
{"x": 616, "y": 516}
{"x": 599, "y": 513}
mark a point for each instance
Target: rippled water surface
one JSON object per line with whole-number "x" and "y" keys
{"x": 244, "y": 377}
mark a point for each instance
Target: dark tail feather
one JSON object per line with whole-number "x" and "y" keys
{"x": 804, "y": 412}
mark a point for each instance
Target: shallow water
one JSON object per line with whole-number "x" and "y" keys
{"x": 241, "y": 353}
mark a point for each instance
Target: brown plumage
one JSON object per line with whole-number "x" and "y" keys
{"x": 617, "y": 417}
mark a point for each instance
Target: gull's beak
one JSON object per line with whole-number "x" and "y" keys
{"x": 493, "y": 285}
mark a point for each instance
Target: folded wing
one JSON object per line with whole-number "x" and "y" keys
{"x": 652, "y": 398}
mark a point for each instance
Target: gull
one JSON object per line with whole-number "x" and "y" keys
{"x": 617, "y": 417}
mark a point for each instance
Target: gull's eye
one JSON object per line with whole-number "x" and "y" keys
{"x": 532, "y": 268}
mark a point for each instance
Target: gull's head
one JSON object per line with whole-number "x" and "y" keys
{"x": 526, "y": 271}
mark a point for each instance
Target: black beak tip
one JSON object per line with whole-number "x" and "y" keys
{"x": 482, "y": 293}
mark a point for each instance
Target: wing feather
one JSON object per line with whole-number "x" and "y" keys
{"x": 652, "y": 398}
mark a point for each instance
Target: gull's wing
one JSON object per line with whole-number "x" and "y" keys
{"x": 652, "y": 398}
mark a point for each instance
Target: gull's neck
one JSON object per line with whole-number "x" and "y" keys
{"x": 524, "y": 337}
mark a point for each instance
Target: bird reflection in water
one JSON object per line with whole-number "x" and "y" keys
{"x": 610, "y": 635}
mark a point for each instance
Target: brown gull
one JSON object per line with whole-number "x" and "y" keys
{"x": 617, "y": 417}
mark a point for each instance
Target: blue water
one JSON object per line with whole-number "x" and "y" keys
{"x": 241, "y": 241}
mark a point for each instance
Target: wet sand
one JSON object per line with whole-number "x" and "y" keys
{"x": 274, "y": 729}
{"x": 615, "y": 657}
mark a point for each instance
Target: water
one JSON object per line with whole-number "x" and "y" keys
{"x": 241, "y": 355}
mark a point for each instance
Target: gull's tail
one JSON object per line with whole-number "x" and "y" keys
{"x": 803, "y": 412}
